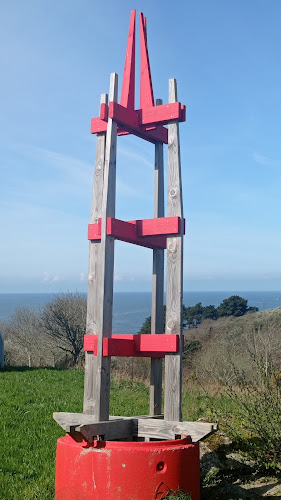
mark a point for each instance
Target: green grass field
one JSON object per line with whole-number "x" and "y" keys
{"x": 28, "y": 434}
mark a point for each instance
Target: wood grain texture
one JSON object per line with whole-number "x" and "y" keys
{"x": 157, "y": 282}
{"x": 107, "y": 431}
{"x": 173, "y": 362}
{"x": 129, "y": 427}
{"x": 161, "y": 429}
{"x": 104, "y": 303}
{"x": 94, "y": 270}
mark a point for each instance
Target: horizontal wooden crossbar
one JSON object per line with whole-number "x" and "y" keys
{"x": 154, "y": 135}
{"x": 150, "y": 233}
{"x": 146, "y": 123}
{"x": 148, "y": 346}
{"x": 132, "y": 427}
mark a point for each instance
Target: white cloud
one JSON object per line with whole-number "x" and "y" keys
{"x": 265, "y": 160}
{"x": 50, "y": 278}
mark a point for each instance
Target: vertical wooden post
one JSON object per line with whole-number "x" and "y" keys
{"x": 157, "y": 282}
{"x": 173, "y": 362}
{"x": 104, "y": 298}
{"x": 94, "y": 277}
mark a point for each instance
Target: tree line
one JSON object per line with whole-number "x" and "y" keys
{"x": 54, "y": 335}
{"x": 194, "y": 315}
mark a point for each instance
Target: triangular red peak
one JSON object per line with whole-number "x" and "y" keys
{"x": 146, "y": 90}
{"x": 146, "y": 122}
{"x": 128, "y": 87}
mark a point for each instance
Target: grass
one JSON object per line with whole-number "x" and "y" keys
{"x": 28, "y": 434}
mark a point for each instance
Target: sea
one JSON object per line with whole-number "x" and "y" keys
{"x": 130, "y": 309}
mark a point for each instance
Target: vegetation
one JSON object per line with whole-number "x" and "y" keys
{"x": 194, "y": 315}
{"x": 64, "y": 321}
{"x": 28, "y": 433}
{"x": 231, "y": 374}
{"x": 51, "y": 337}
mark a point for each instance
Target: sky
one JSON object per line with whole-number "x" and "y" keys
{"x": 56, "y": 59}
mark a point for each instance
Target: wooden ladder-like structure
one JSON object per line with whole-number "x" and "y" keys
{"x": 159, "y": 233}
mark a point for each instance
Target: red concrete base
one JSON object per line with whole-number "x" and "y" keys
{"x": 115, "y": 470}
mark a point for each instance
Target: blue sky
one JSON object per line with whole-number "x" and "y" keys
{"x": 56, "y": 59}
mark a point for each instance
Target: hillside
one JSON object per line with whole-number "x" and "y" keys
{"x": 231, "y": 346}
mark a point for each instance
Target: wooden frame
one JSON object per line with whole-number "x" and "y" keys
{"x": 158, "y": 234}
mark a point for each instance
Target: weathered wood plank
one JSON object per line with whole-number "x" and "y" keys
{"x": 128, "y": 427}
{"x": 107, "y": 431}
{"x": 94, "y": 271}
{"x": 157, "y": 281}
{"x": 162, "y": 429}
{"x": 105, "y": 291}
{"x": 173, "y": 362}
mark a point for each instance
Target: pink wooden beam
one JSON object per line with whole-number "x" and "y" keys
{"x": 146, "y": 89}
{"x": 159, "y": 134}
{"x": 134, "y": 345}
{"x": 151, "y": 233}
{"x": 128, "y": 86}
{"x": 125, "y": 231}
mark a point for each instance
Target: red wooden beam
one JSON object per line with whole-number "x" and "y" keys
{"x": 159, "y": 134}
{"x": 125, "y": 116}
{"x": 149, "y": 233}
{"x": 134, "y": 345}
{"x": 128, "y": 86}
{"x": 160, "y": 114}
{"x": 127, "y": 231}
{"x": 146, "y": 89}
{"x": 161, "y": 225}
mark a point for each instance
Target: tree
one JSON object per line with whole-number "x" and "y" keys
{"x": 233, "y": 306}
{"x": 64, "y": 320}
{"x": 23, "y": 330}
{"x": 192, "y": 316}
{"x": 210, "y": 312}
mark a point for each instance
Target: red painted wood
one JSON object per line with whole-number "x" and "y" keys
{"x": 150, "y": 233}
{"x": 133, "y": 345}
{"x": 159, "y": 134}
{"x": 157, "y": 343}
{"x": 128, "y": 86}
{"x": 127, "y": 231}
{"x": 91, "y": 344}
{"x": 94, "y": 231}
{"x": 183, "y": 113}
{"x": 146, "y": 89}
{"x": 118, "y": 347}
{"x": 161, "y": 225}
{"x": 98, "y": 125}
{"x": 123, "y": 115}
{"x": 160, "y": 114}
{"x": 104, "y": 112}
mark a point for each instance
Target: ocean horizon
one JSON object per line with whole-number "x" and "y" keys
{"x": 130, "y": 309}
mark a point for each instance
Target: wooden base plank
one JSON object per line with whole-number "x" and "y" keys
{"x": 132, "y": 427}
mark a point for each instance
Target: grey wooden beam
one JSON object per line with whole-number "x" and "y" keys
{"x": 105, "y": 292}
{"x": 157, "y": 282}
{"x": 174, "y": 290}
{"x": 94, "y": 277}
{"x": 129, "y": 427}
